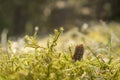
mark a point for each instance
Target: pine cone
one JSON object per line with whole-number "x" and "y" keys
{"x": 78, "y": 54}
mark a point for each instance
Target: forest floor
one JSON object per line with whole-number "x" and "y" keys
{"x": 51, "y": 57}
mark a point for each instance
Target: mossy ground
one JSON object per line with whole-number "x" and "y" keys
{"x": 52, "y": 59}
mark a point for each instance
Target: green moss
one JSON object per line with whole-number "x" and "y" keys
{"x": 46, "y": 63}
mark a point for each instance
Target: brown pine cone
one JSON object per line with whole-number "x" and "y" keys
{"x": 78, "y": 54}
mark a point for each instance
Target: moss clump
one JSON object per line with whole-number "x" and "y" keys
{"x": 46, "y": 63}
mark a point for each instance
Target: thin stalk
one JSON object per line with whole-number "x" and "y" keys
{"x": 94, "y": 55}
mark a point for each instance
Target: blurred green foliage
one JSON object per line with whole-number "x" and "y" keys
{"x": 19, "y": 15}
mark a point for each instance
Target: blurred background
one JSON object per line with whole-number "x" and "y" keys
{"x": 22, "y": 16}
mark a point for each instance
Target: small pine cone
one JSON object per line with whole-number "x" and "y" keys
{"x": 78, "y": 54}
